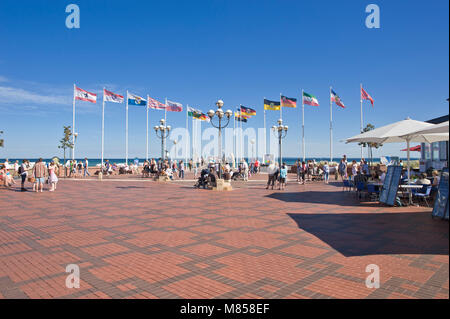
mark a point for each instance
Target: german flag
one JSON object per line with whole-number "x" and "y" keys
{"x": 271, "y": 105}
{"x": 288, "y": 101}
{"x": 247, "y": 111}
{"x": 240, "y": 117}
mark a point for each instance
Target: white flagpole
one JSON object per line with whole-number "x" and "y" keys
{"x": 234, "y": 140}
{"x": 192, "y": 143}
{"x": 361, "y": 126}
{"x": 146, "y": 143}
{"x": 187, "y": 134}
{"x": 126, "y": 132}
{"x": 331, "y": 128}
{"x": 281, "y": 108}
{"x": 103, "y": 128}
{"x": 165, "y": 112}
{"x": 265, "y": 134}
{"x": 73, "y": 123}
{"x": 303, "y": 129}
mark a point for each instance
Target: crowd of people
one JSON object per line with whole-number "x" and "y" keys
{"x": 37, "y": 174}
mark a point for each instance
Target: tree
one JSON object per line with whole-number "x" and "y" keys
{"x": 370, "y": 145}
{"x": 65, "y": 143}
{"x": 2, "y": 141}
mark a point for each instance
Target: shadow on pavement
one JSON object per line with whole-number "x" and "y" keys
{"x": 378, "y": 233}
{"x": 339, "y": 198}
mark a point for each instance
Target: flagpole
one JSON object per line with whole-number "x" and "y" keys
{"x": 73, "y": 123}
{"x": 265, "y": 132}
{"x": 361, "y": 126}
{"x": 234, "y": 140}
{"x": 146, "y": 139}
{"x": 187, "y": 133}
{"x": 103, "y": 128}
{"x": 126, "y": 133}
{"x": 331, "y": 128}
{"x": 303, "y": 128}
{"x": 165, "y": 112}
{"x": 281, "y": 108}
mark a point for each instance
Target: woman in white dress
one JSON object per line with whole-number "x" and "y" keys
{"x": 53, "y": 179}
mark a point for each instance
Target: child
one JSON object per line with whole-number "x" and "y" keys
{"x": 283, "y": 175}
{"x": 52, "y": 178}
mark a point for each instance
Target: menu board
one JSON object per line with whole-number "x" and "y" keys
{"x": 390, "y": 185}
{"x": 440, "y": 208}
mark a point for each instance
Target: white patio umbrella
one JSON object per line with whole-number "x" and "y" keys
{"x": 402, "y": 131}
{"x": 441, "y": 128}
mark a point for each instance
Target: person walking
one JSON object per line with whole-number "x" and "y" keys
{"x": 245, "y": 169}
{"x": 86, "y": 167}
{"x": 39, "y": 172}
{"x": 271, "y": 170}
{"x": 181, "y": 170}
{"x": 23, "y": 172}
{"x": 53, "y": 179}
{"x": 326, "y": 172}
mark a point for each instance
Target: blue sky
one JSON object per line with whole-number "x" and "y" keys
{"x": 195, "y": 52}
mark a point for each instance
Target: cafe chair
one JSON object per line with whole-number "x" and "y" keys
{"x": 424, "y": 195}
{"x": 374, "y": 193}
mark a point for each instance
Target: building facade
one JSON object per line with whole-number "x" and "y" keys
{"x": 434, "y": 155}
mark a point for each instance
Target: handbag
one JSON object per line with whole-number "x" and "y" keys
{"x": 31, "y": 179}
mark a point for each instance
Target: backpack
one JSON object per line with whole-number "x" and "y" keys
{"x": 20, "y": 170}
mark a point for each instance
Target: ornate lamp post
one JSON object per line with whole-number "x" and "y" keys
{"x": 221, "y": 124}
{"x": 281, "y": 130}
{"x": 162, "y": 131}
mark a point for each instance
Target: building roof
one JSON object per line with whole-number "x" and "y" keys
{"x": 438, "y": 120}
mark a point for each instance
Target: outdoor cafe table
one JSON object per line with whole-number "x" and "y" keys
{"x": 409, "y": 188}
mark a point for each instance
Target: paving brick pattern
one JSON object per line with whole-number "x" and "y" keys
{"x": 144, "y": 239}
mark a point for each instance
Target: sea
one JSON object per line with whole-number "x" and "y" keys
{"x": 287, "y": 160}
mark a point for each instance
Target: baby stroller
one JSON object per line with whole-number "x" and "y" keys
{"x": 203, "y": 179}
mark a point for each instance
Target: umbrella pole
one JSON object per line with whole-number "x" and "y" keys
{"x": 409, "y": 172}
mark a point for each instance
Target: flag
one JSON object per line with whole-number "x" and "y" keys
{"x": 366, "y": 96}
{"x": 174, "y": 106}
{"x": 109, "y": 96}
{"x": 288, "y": 101}
{"x": 271, "y": 105}
{"x": 154, "y": 104}
{"x": 241, "y": 117}
{"x": 197, "y": 114}
{"x": 336, "y": 99}
{"x": 136, "y": 100}
{"x": 310, "y": 99}
{"x": 83, "y": 95}
{"x": 247, "y": 111}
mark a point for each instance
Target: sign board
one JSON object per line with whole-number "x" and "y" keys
{"x": 268, "y": 158}
{"x": 390, "y": 185}
{"x": 440, "y": 208}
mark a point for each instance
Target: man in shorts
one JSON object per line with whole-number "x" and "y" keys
{"x": 39, "y": 172}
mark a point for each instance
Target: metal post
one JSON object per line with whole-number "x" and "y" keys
{"x": 73, "y": 123}
{"x": 103, "y": 128}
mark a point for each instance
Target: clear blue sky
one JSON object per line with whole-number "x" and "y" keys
{"x": 195, "y": 52}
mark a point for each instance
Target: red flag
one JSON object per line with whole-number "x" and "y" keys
{"x": 366, "y": 96}
{"x": 83, "y": 95}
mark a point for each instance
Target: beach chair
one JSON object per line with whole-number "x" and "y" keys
{"x": 424, "y": 195}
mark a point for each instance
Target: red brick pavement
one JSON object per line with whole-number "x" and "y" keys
{"x": 143, "y": 239}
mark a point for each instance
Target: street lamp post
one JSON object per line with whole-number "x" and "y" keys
{"x": 281, "y": 130}
{"x": 220, "y": 114}
{"x": 252, "y": 141}
{"x": 162, "y": 131}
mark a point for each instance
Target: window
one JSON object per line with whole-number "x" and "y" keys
{"x": 426, "y": 151}
{"x": 435, "y": 151}
{"x": 443, "y": 153}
